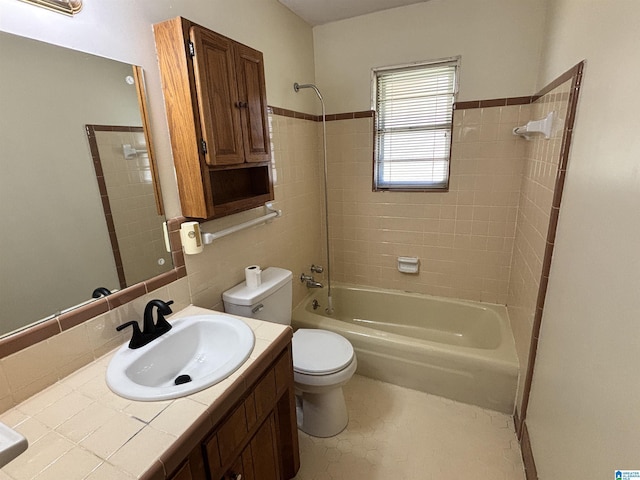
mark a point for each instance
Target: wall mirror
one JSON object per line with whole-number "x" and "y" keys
{"x": 57, "y": 244}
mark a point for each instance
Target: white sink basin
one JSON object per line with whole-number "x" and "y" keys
{"x": 199, "y": 350}
{"x": 12, "y": 444}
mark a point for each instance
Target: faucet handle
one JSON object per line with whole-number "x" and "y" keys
{"x": 317, "y": 268}
{"x": 306, "y": 278}
{"x": 137, "y": 338}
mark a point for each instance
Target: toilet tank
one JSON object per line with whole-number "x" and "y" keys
{"x": 271, "y": 301}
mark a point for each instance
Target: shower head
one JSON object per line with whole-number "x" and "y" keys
{"x": 297, "y": 87}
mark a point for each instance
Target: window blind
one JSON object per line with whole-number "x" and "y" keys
{"x": 414, "y": 112}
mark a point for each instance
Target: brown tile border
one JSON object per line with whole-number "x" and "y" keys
{"x": 466, "y": 105}
{"x": 84, "y": 313}
{"x": 350, "y": 115}
{"x": 572, "y": 73}
{"x": 29, "y": 336}
{"x": 161, "y": 280}
{"x": 527, "y": 455}
{"x": 102, "y": 186}
{"x": 496, "y": 102}
{"x": 520, "y": 100}
{"x": 47, "y": 329}
{"x": 126, "y": 295}
{"x": 493, "y": 102}
{"x": 329, "y": 117}
{"x": 575, "y": 76}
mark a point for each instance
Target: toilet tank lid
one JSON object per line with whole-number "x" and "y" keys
{"x": 273, "y": 278}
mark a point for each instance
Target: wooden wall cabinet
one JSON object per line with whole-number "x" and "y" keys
{"x": 215, "y": 97}
{"x": 257, "y": 439}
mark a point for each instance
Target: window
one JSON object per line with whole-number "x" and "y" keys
{"x": 414, "y": 112}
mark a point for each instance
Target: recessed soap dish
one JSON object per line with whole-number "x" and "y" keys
{"x": 408, "y": 264}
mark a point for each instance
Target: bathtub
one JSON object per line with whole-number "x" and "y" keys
{"x": 452, "y": 348}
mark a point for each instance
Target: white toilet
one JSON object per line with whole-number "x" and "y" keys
{"x": 323, "y": 361}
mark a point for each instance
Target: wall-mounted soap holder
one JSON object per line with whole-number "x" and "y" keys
{"x": 408, "y": 264}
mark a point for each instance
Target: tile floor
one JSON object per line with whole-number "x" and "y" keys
{"x": 398, "y": 433}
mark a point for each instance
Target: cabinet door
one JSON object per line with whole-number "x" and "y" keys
{"x": 252, "y": 92}
{"x": 242, "y": 468}
{"x": 265, "y": 453}
{"x": 218, "y": 99}
{"x": 183, "y": 474}
{"x": 192, "y": 469}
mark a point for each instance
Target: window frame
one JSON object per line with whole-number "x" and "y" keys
{"x": 403, "y": 187}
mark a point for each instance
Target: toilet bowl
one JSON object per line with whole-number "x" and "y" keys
{"x": 323, "y": 361}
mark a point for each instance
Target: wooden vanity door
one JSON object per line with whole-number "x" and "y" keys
{"x": 265, "y": 452}
{"x": 242, "y": 468}
{"x": 218, "y": 99}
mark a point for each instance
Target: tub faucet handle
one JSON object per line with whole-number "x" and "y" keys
{"x": 317, "y": 269}
{"x": 306, "y": 278}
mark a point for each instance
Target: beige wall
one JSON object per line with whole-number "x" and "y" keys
{"x": 541, "y": 160}
{"x": 583, "y": 414}
{"x": 463, "y": 237}
{"x": 292, "y": 241}
{"x": 499, "y": 41}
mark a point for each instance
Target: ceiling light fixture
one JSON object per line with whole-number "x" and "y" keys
{"x": 67, "y": 7}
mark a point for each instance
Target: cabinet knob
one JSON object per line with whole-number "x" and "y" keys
{"x": 236, "y": 476}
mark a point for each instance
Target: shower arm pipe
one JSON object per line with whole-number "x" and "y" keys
{"x": 297, "y": 87}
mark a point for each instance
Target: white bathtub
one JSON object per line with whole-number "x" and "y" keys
{"x": 453, "y": 348}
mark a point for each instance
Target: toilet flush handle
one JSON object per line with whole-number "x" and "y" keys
{"x": 257, "y": 308}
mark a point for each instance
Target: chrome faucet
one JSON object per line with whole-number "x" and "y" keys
{"x": 310, "y": 281}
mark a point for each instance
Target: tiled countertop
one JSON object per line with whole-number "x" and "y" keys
{"x": 79, "y": 429}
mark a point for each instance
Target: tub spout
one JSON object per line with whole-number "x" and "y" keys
{"x": 314, "y": 284}
{"x": 310, "y": 281}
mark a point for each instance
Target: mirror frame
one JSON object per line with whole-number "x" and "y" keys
{"x": 138, "y": 76}
{"x": 41, "y": 331}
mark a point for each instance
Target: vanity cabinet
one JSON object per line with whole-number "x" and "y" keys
{"x": 257, "y": 438}
{"x": 215, "y": 97}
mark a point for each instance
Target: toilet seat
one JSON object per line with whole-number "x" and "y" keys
{"x": 320, "y": 352}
